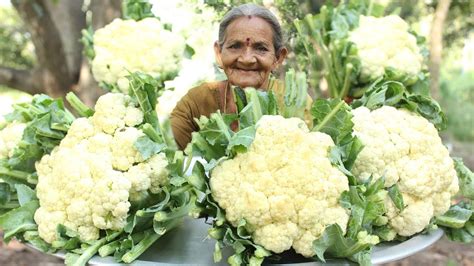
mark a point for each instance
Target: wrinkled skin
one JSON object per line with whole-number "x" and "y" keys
{"x": 247, "y": 55}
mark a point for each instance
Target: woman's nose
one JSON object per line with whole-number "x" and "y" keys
{"x": 247, "y": 57}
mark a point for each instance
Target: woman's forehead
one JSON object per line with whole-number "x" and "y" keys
{"x": 250, "y": 28}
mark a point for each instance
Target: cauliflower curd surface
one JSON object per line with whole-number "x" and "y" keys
{"x": 386, "y": 42}
{"x": 87, "y": 182}
{"x": 284, "y": 186}
{"x": 406, "y": 149}
{"x": 125, "y": 46}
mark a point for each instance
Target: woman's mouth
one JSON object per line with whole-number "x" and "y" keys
{"x": 242, "y": 70}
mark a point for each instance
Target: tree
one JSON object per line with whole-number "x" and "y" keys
{"x": 436, "y": 45}
{"x": 55, "y": 29}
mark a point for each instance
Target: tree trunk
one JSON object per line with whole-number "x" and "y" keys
{"x": 25, "y": 79}
{"x": 436, "y": 45}
{"x": 56, "y": 79}
{"x": 104, "y": 11}
{"x": 69, "y": 19}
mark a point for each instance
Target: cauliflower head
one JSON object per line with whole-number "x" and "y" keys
{"x": 87, "y": 182}
{"x": 10, "y": 137}
{"x": 129, "y": 45}
{"x": 385, "y": 42}
{"x": 284, "y": 186}
{"x": 406, "y": 149}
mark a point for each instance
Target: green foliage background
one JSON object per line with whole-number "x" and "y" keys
{"x": 16, "y": 49}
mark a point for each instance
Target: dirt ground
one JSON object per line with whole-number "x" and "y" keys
{"x": 443, "y": 253}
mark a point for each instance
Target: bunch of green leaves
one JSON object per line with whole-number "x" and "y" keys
{"x": 87, "y": 40}
{"x": 458, "y": 221}
{"x": 325, "y": 37}
{"x": 364, "y": 200}
{"x": 149, "y": 218}
{"x": 394, "y": 93}
{"x": 137, "y": 9}
{"x": 15, "y": 41}
{"x": 154, "y": 214}
{"x": 215, "y": 142}
{"x": 334, "y": 117}
{"x": 47, "y": 122}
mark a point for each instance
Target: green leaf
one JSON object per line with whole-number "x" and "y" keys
{"x": 396, "y": 196}
{"x": 385, "y": 233}
{"x": 466, "y": 179}
{"x": 333, "y": 117}
{"x": 240, "y": 142}
{"x": 25, "y": 194}
{"x": 199, "y": 146}
{"x": 137, "y": 9}
{"x": 380, "y": 94}
{"x": 367, "y": 205}
{"x": 393, "y": 93}
{"x": 33, "y": 238}
{"x": 351, "y": 151}
{"x": 188, "y": 51}
{"x": 333, "y": 242}
{"x": 339, "y": 26}
{"x": 259, "y": 103}
{"x": 5, "y": 193}
{"x": 455, "y": 217}
{"x": 198, "y": 177}
{"x": 215, "y": 129}
{"x": 296, "y": 94}
{"x": 143, "y": 89}
{"x": 81, "y": 108}
{"x": 19, "y": 220}
{"x": 429, "y": 109}
{"x": 47, "y": 124}
{"x": 147, "y": 147}
{"x": 87, "y": 40}
{"x": 240, "y": 98}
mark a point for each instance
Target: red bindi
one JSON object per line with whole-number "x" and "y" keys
{"x": 247, "y": 41}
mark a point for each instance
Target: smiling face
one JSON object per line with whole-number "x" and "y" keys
{"x": 247, "y": 54}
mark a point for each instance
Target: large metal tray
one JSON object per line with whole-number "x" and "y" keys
{"x": 189, "y": 245}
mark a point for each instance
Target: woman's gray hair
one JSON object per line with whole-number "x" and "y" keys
{"x": 257, "y": 11}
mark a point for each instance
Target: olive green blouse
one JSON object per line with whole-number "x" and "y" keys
{"x": 207, "y": 99}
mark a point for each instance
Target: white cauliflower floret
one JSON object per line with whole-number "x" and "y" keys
{"x": 115, "y": 110}
{"x": 276, "y": 237}
{"x": 72, "y": 187}
{"x": 124, "y": 153}
{"x": 47, "y": 222}
{"x": 125, "y": 46}
{"x": 385, "y": 42}
{"x": 82, "y": 183}
{"x": 82, "y": 128}
{"x": 414, "y": 217}
{"x": 10, "y": 137}
{"x": 287, "y": 191}
{"x": 406, "y": 149}
{"x": 159, "y": 172}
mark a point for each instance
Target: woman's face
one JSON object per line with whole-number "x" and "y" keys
{"x": 248, "y": 55}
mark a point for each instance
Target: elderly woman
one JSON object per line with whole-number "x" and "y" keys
{"x": 249, "y": 48}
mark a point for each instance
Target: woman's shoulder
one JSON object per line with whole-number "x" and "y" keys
{"x": 202, "y": 99}
{"x": 206, "y": 88}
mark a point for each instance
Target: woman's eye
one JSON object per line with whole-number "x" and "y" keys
{"x": 262, "y": 49}
{"x": 234, "y": 46}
